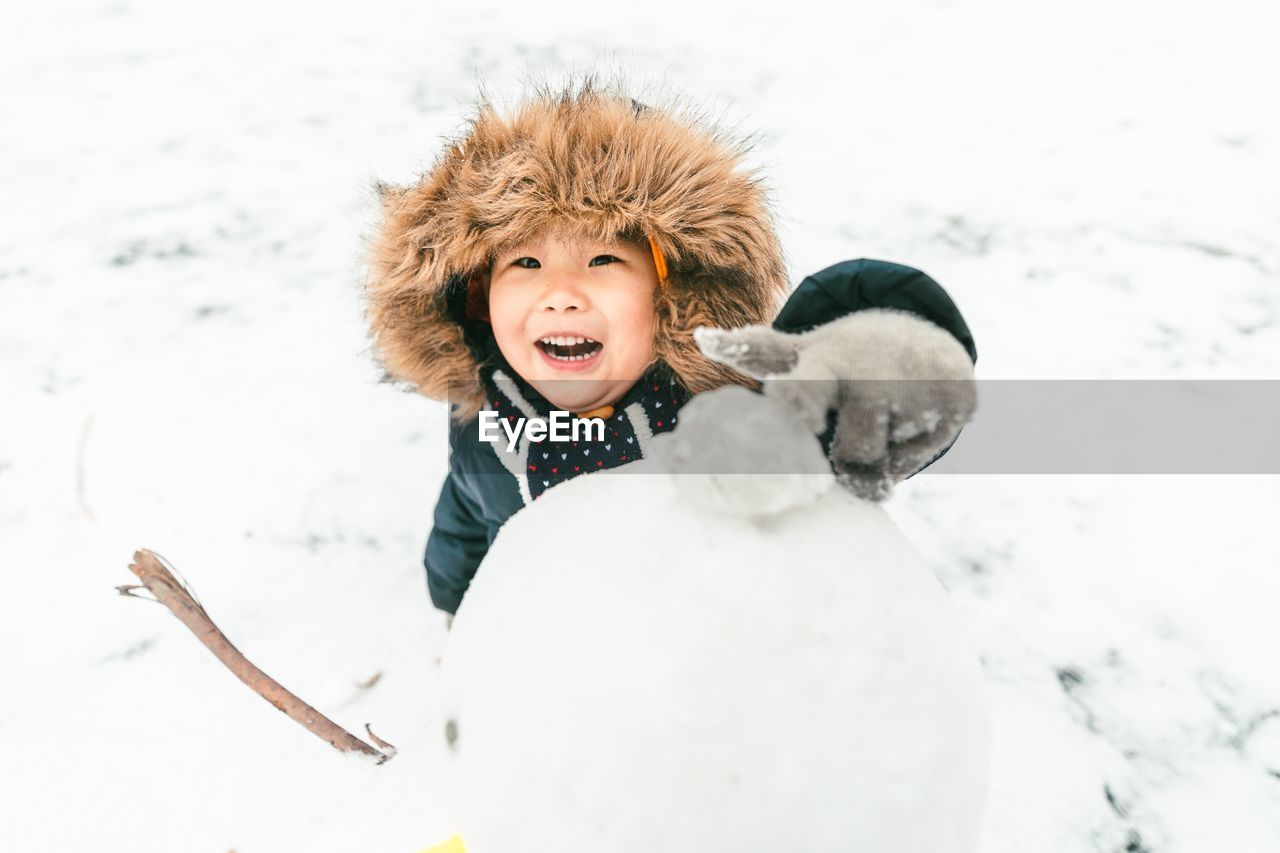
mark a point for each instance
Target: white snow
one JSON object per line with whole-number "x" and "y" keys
{"x": 184, "y": 190}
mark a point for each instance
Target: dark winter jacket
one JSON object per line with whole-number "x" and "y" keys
{"x": 481, "y": 492}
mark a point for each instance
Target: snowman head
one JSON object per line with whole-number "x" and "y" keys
{"x": 739, "y": 452}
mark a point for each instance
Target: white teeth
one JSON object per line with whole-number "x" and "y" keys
{"x": 564, "y": 341}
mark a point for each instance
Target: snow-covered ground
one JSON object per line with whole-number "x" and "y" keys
{"x": 184, "y": 367}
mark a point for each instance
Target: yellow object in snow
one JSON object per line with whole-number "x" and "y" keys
{"x": 453, "y": 845}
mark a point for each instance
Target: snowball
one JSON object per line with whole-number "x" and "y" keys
{"x": 630, "y": 673}
{"x": 752, "y": 456}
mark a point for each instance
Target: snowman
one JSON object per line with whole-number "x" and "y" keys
{"x": 741, "y": 658}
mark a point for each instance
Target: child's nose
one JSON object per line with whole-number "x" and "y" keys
{"x": 563, "y": 293}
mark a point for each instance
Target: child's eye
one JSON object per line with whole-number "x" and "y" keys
{"x": 519, "y": 262}
{"x": 605, "y": 258}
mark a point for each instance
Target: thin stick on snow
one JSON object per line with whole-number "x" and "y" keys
{"x": 151, "y": 569}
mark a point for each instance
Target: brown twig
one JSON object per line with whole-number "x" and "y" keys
{"x": 151, "y": 569}
{"x": 382, "y": 744}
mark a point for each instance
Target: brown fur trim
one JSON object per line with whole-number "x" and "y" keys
{"x": 593, "y": 162}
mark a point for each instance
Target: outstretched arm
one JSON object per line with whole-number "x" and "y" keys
{"x": 875, "y": 358}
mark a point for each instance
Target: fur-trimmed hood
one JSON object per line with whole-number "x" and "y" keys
{"x": 599, "y": 164}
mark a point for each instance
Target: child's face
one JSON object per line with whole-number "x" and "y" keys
{"x": 570, "y": 289}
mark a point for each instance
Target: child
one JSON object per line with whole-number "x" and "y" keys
{"x": 562, "y": 257}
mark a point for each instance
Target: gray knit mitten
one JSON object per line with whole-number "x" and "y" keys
{"x": 901, "y": 387}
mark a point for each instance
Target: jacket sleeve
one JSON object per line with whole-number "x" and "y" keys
{"x": 458, "y": 541}
{"x": 860, "y": 284}
{"x": 851, "y": 286}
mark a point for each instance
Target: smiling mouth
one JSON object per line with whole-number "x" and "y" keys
{"x": 564, "y": 348}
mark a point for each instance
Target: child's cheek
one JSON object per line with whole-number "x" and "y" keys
{"x": 633, "y": 343}
{"x": 508, "y": 322}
